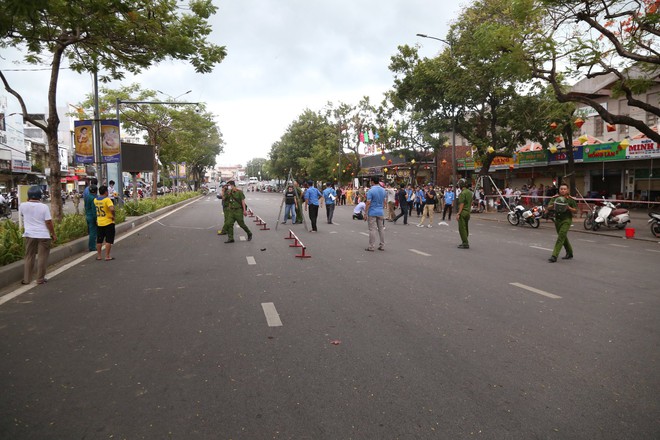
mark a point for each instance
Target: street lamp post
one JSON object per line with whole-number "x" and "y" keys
{"x": 453, "y": 115}
{"x": 155, "y": 170}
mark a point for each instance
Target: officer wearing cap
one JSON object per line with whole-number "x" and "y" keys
{"x": 236, "y": 210}
{"x": 463, "y": 213}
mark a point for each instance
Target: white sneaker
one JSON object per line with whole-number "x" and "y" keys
{"x": 420, "y": 226}
{"x": 430, "y": 226}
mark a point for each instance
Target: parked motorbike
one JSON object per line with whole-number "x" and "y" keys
{"x": 520, "y": 215}
{"x": 606, "y": 214}
{"x": 5, "y": 210}
{"x": 655, "y": 223}
{"x": 478, "y": 206}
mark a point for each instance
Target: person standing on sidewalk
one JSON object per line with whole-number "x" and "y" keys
{"x": 39, "y": 234}
{"x": 105, "y": 222}
{"x": 463, "y": 213}
{"x": 564, "y": 206}
{"x": 329, "y": 197}
{"x": 235, "y": 212}
{"x": 90, "y": 216}
{"x": 312, "y": 196}
{"x": 375, "y": 210}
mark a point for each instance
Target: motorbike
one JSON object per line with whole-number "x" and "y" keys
{"x": 478, "y": 206}
{"x": 655, "y": 223}
{"x": 5, "y": 210}
{"x": 519, "y": 216}
{"x": 607, "y": 214}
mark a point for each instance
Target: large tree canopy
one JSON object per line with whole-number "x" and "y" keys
{"x": 109, "y": 37}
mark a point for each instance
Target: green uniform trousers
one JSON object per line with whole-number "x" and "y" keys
{"x": 224, "y": 213}
{"x": 562, "y": 227}
{"x": 231, "y": 216}
{"x": 463, "y": 230}
{"x": 91, "y": 229}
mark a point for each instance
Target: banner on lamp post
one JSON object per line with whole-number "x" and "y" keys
{"x": 82, "y": 132}
{"x": 110, "y": 141}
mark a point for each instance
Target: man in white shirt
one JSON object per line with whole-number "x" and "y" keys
{"x": 358, "y": 212}
{"x": 39, "y": 234}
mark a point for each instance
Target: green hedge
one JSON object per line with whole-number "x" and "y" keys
{"x": 74, "y": 226}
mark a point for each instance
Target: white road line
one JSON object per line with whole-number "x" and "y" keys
{"x": 333, "y": 232}
{"x": 272, "y": 317}
{"x": 21, "y": 290}
{"x": 542, "y": 248}
{"x": 652, "y": 250}
{"x": 365, "y": 233}
{"x": 619, "y": 245}
{"x": 588, "y": 241}
{"x": 532, "y": 289}
{"x": 251, "y": 261}
{"x": 419, "y": 252}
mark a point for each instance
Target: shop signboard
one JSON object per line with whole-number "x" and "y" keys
{"x": 561, "y": 156}
{"x": 21, "y": 166}
{"x": 643, "y": 149}
{"x": 498, "y": 163}
{"x": 533, "y": 158}
{"x": 604, "y": 152}
{"x": 465, "y": 164}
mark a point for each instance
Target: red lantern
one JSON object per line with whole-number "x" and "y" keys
{"x": 559, "y": 139}
{"x": 389, "y": 162}
{"x": 444, "y": 162}
{"x": 579, "y": 122}
{"x": 611, "y": 127}
{"x": 553, "y": 125}
{"x": 511, "y": 167}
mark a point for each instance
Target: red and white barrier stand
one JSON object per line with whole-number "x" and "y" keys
{"x": 297, "y": 243}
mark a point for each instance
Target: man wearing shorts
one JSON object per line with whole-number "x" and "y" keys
{"x": 105, "y": 222}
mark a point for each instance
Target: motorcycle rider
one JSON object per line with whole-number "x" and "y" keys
{"x": 563, "y": 220}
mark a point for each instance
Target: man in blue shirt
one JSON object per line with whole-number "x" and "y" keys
{"x": 329, "y": 196}
{"x": 375, "y": 208}
{"x": 312, "y": 196}
{"x": 449, "y": 201}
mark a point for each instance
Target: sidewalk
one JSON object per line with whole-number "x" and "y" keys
{"x": 13, "y": 273}
{"x": 638, "y": 221}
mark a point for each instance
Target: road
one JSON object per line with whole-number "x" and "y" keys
{"x": 180, "y": 336}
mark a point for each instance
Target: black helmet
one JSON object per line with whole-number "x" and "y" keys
{"x": 462, "y": 183}
{"x": 34, "y": 193}
{"x": 93, "y": 189}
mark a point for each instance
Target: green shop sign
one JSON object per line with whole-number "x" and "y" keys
{"x": 532, "y": 158}
{"x": 603, "y": 152}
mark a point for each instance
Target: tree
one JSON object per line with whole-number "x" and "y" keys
{"x": 257, "y": 168}
{"x": 305, "y": 148}
{"x": 100, "y": 36}
{"x": 610, "y": 39}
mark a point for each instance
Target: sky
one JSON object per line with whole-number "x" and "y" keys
{"x": 282, "y": 57}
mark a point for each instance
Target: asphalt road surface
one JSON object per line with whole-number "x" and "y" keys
{"x": 185, "y": 337}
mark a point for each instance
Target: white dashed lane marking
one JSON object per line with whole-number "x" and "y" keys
{"x": 535, "y": 290}
{"x": 419, "y": 252}
{"x": 251, "y": 261}
{"x": 272, "y": 317}
{"x": 542, "y": 248}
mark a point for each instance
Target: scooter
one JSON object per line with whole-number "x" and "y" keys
{"x": 521, "y": 215}
{"x": 655, "y": 223}
{"x": 5, "y": 210}
{"x": 607, "y": 214}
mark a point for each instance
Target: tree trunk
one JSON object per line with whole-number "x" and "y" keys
{"x": 54, "y": 179}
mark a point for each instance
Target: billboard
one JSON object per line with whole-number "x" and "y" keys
{"x": 110, "y": 141}
{"x": 83, "y": 141}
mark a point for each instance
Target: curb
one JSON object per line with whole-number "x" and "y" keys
{"x": 13, "y": 273}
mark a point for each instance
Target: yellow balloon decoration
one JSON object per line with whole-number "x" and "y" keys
{"x": 446, "y": 144}
{"x": 552, "y": 149}
{"x": 412, "y": 161}
{"x": 584, "y": 138}
{"x": 490, "y": 150}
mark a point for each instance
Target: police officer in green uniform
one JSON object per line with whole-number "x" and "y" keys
{"x": 224, "y": 208}
{"x": 564, "y": 206}
{"x": 236, "y": 210}
{"x": 299, "y": 204}
{"x": 463, "y": 213}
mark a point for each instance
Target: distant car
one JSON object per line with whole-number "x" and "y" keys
{"x": 212, "y": 189}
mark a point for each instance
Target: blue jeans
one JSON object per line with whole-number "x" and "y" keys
{"x": 290, "y": 209}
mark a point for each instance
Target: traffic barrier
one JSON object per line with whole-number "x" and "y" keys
{"x": 297, "y": 243}
{"x": 260, "y": 222}
{"x": 250, "y": 213}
